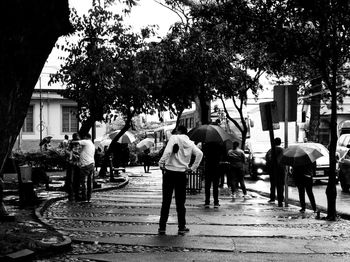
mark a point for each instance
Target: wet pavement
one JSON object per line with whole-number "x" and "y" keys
{"x": 122, "y": 225}
{"x": 343, "y": 199}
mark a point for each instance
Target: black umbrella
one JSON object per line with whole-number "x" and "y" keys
{"x": 45, "y": 140}
{"x": 208, "y": 134}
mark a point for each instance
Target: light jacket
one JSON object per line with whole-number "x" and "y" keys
{"x": 180, "y": 161}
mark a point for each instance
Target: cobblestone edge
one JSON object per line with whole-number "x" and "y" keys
{"x": 67, "y": 242}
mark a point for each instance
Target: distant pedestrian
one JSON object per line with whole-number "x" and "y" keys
{"x": 87, "y": 166}
{"x": 303, "y": 180}
{"x": 212, "y": 156}
{"x": 236, "y": 158}
{"x": 277, "y": 176}
{"x": 72, "y": 183}
{"x": 175, "y": 163}
{"x": 64, "y": 143}
{"x": 146, "y": 160}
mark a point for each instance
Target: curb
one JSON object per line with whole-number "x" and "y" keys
{"x": 27, "y": 254}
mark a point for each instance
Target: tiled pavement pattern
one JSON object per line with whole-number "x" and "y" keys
{"x": 121, "y": 225}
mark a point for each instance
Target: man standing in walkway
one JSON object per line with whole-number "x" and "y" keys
{"x": 277, "y": 175}
{"x": 175, "y": 163}
{"x": 87, "y": 165}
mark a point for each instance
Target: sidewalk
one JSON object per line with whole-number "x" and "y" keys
{"x": 122, "y": 225}
{"x": 240, "y": 226}
{"x": 343, "y": 204}
{"x": 23, "y": 236}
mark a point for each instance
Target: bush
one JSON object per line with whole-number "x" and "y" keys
{"x": 49, "y": 160}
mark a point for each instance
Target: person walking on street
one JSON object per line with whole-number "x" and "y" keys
{"x": 212, "y": 157}
{"x": 146, "y": 160}
{"x": 236, "y": 158}
{"x": 303, "y": 180}
{"x": 174, "y": 164}
{"x": 277, "y": 176}
{"x": 87, "y": 166}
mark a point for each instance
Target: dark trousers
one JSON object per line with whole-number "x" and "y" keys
{"x": 305, "y": 184}
{"x": 173, "y": 180}
{"x": 146, "y": 165}
{"x": 237, "y": 178}
{"x": 211, "y": 176}
{"x": 86, "y": 180}
{"x": 224, "y": 170}
{"x": 72, "y": 182}
{"x": 277, "y": 184}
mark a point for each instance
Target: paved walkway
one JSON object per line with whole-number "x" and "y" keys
{"x": 343, "y": 199}
{"x": 122, "y": 225}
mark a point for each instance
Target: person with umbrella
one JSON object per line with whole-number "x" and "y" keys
{"x": 145, "y": 145}
{"x": 146, "y": 159}
{"x": 303, "y": 179}
{"x": 302, "y": 158}
{"x": 46, "y": 143}
{"x": 212, "y": 154}
{"x": 175, "y": 163}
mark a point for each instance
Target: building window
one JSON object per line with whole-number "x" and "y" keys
{"x": 69, "y": 119}
{"x": 28, "y": 121}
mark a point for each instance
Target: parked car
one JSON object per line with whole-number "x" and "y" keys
{"x": 342, "y": 145}
{"x": 255, "y": 153}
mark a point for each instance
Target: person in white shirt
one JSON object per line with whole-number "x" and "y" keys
{"x": 87, "y": 165}
{"x": 175, "y": 163}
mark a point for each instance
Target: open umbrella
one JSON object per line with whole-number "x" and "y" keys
{"x": 45, "y": 140}
{"x": 301, "y": 154}
{"x": 208, "y": 134}
{"x": 126, "y": 138}
{"x": 145, "y": 144}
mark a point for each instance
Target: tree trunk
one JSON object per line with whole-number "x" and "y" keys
{"x": 109, "y": 152}
{"x": 86, "y": 126}
{"x": 331, "y": 190}
{"x": 203, "y": 109}
{"x": 178, "y": 118}
{"x": 28, "y": 33}
{"x": 316, "y": 86}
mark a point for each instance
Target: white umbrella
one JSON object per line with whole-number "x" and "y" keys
{"x": 126, "y": 138}
{"x": 145, "y": 144}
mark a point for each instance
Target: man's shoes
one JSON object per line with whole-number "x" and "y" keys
{"x": 161, "y": 232}
{"x": 183, "y": 231}
{"x": 302, "y": 210}
{"x": 216, "y": 205}
{"x": 280, "y": 204}
{"x": 271, "y": 201}
{"x": 206, "y": 205}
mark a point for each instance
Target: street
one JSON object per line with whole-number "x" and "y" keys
{"x": 121, "y": 225}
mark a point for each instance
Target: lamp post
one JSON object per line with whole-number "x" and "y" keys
{"x": 40, "y": 115}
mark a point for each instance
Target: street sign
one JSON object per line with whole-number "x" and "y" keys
{"x": 269, "y": 112}
{"x": 280, "y": 97}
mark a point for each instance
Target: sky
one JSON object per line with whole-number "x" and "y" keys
{"x": 147, "y": 12}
